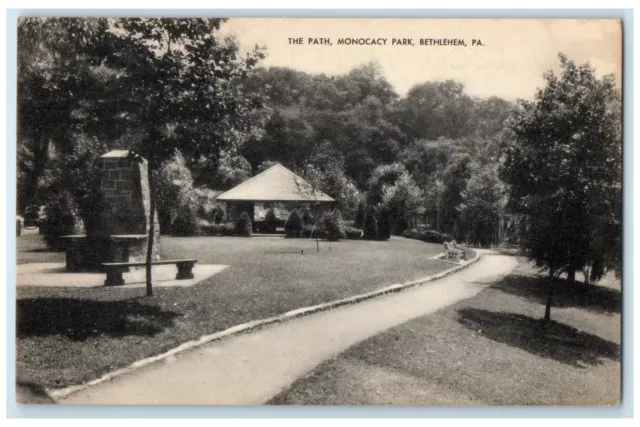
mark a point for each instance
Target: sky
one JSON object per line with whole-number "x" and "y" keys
{"x": 510, "y": 62}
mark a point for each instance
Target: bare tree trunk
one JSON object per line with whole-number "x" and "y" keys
{"x": 152, "y": 209}
{"x": 571, "y": 275}
{"x": 547, "y": 310}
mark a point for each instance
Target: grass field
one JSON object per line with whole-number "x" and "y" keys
{"x": 70, "y": 335}
{"x": 490, "y": 349}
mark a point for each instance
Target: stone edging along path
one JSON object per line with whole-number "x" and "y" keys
{"x": 254, "y": 324}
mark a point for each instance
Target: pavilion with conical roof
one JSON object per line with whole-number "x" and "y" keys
{"x": 274, "y": 185}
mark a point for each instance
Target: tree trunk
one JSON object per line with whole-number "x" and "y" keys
{"x": 152, "y": 209}
{"x": 547, "y": 310}
{"x": 571, "y": 276}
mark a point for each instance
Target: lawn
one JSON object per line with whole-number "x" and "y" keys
{"x": 68, "y": 336}
{"x": 490, "y": 349}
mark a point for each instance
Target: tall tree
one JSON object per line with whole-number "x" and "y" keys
{"x": 481, "y": 207}
{"x": 565, "y": 172}
{"x": 66, "y": 95}
{"x": 181, "y": 84}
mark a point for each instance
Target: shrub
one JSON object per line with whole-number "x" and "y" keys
{"x": 176, "y": 198}
{"x": 332, "y": 224}
{"x": 311, "y": 231}
{"x": 360, "y": 214}
{"x": 228, "y": 229}
{"x": 293, "y": 226}
{"x": 270, "y": 221}
{"x": 430, "y": 236}
{"x": 370, "y": 226}
{"x": 307, "y": 217}
{"x": 243, "y": 225}
{"x": 220, "y": 214}
{"x": 186, "y": 221}
{"x": 61, "y": 219}
{"x": 384, "y": 224}
{"x": 353, "y": 233}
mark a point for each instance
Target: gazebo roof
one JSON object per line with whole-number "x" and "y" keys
{"x": 276, "y": 184}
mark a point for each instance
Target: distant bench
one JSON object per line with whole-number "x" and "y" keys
{"x": 453, "y": 251}
{"x": 116, "y": 269}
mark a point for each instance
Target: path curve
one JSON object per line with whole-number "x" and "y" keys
{"x": 252, "y": 368}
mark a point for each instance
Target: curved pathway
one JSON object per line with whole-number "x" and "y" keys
{"x": 251, "y": 368}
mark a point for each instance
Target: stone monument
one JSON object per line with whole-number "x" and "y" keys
{"x": 119, "y": 231}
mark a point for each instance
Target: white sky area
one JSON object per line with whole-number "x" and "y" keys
{"x": 510, "y": 64}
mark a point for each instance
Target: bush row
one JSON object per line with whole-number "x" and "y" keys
{"x": 430, "y": 236}
{"x": 330, "y": 227}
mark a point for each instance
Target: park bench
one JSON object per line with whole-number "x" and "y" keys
{"x": 452, "y": 250}
{"x": 115, "y": 270}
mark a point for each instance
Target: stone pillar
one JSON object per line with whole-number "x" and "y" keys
{"x": 126, "y": 201}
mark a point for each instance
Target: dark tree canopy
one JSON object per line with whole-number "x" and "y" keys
{"x": 564, "y": 171}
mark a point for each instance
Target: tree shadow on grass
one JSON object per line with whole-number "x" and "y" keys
{"x": 565, "y": 294}
{"x": 79, "y": 319}
{"x": 555, "y": 340}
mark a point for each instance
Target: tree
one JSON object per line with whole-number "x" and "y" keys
{"x": 437, "y": 109}
{"x": 481, "y": 207}
{"x": 66, "y": 95}
{"x": 370, "y": 227}
{"x": 403, "y": 202}
{"x": 564, "y": 171}
{"x": 454, "y": 180}
{"x": 179, "y": 87}
{"x": 383, "y": 176}
{"x": 360, "y": 213}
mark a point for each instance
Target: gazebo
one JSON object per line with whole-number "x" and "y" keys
{"x": 274, "y": 185}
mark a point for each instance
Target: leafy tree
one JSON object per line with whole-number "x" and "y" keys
{"x": 383, "y": 176}
{"x": 360, "y": 213}
{"x": 175, "y": 195}
{"x": 370, "y": 227}
{"x": 437, "y": 109}
{"x": 333, "y": 225}
{"x": 229, "y": 170}
{"x": 564, "y": 172}
{"x": 271, "y": 222}
{"x": 180, "y": 85}
{"x": 403, "y": 201}
{"x": 385, "y": 224}
{"x": 481, "y": 207}
{"x": 66, "y": 96}
{"x": 454, "y": 180}
{"x": 293, "y": 227}
{"x": 243, "y": 225}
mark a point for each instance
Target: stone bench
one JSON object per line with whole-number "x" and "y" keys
{"x": 115, "y": 270}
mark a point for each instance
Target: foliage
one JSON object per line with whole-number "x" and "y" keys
{"x": 333, "y": 225}
{"x": 384, "y": 224}
{"x": 482, "y": 206}
{"x": 271, "y": 222}
{"x": 178, "y": 202}
{"x": 223, "y": 229}
{"x": 243, "y": 225}
{"x": 229, "y": 170}
{"x": 564, "y": 172}
{"x": 429, "y": 236}
{"x": 370, "y": 228}
{"x": 62, "y": 219}
{"x": 311, "y": 231}
{"x": 294, "y": 225}
{"x": 307, "y": 216}
{"x": 383, "y": 176}
{"x": 403, "y": 201}
{"x": 353, "y": 233}
{"x": 65, "y": 98}
{"x": 359, "y": 216}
